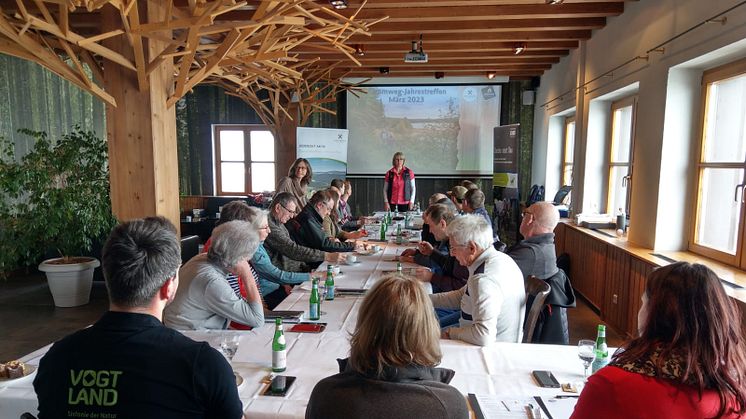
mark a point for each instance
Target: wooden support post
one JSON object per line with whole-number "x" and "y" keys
{"x": 286, "y": 141}
{"x": 142, "y": 128}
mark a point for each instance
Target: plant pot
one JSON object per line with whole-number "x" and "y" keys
{"x": 70, "y": 283}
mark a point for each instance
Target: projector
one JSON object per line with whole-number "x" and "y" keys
{"x": 415, "y": 57}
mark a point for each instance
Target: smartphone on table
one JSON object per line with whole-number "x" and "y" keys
{"x": 279, "y": 386}
{"x": 545, "y": 379}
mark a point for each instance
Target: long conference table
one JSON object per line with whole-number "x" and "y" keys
{"x": 501, "y": 371}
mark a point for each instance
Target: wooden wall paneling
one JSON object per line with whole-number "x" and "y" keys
{"x": 638, "y": 272}
{"x": 573, "y": 240}
{"x": 367, "y": 192}
{"x": 595, "y": 269}
{"x": 616, "y": 296}
{"x": 187, "y": 203}
{"x": 559, "y": 239}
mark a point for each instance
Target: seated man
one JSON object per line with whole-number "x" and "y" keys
{"x": 493, "y": 301}
{"x": 474, "y": 204}
{"x": 284, "y": 252}
{"x": 206, "y": 299}
{"x": 457, "y": 195}
{"x": 454, "y": 275}
{"x": 307, "y": 228}
{"x": 128, "y": 365}
{"x": 535, "y": 254}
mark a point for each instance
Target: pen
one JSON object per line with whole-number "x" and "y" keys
{"x": 566, "y": 396}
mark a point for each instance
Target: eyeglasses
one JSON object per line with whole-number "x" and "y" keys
{"x": 264, "y": 228}
{"x": 526, "y": 212}
{"x": 286, "y": 209}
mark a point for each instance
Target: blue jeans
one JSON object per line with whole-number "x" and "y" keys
{"x": 447, "y": 317}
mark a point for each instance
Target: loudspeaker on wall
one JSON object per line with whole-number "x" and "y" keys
{"x": 528, "y": 97}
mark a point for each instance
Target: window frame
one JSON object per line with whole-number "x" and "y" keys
{"x": 247, "y": 161}
{"x": 563, "y": 167}
{"x": 717, "y": 74}
{"x": 616, "y": 105}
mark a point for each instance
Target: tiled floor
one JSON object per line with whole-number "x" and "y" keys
{"x": 29, "y": 319}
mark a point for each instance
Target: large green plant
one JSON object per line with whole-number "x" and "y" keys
{"x": 54, "y": 197}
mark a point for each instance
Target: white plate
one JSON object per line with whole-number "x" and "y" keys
{"x": 30, "y": 371}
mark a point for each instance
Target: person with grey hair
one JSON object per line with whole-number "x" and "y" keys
{"x": 274, "y": 283}
{"x": 493, "y": 302}
{"x": 144, "y": 369}
{"x": 535, "y": 254}
{"x": 206, "y": 300}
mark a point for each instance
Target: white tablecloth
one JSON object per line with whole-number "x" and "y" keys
{"x": 501, "y": 369}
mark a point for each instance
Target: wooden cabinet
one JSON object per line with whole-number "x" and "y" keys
{"x": 587, "y": 265}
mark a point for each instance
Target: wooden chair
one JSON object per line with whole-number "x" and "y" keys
{"x": 539, "y": 290}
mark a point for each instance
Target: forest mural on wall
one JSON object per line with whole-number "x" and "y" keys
{"x": 32, "y": 97}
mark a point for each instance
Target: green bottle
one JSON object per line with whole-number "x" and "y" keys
{"x": 314, "y": 311}
{"x": 279, "y": 353}
{"x": 399, "y": 239}
{"x": 602, "y": 351}
{"x": 398, "y": 267}
{"x": 383, "y": 230}
{"x": 329, "y": 284}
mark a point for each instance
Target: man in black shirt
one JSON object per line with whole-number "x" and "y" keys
{"x": 128, "y": 365}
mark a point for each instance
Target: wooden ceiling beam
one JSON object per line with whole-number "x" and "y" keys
{"x": 459, "y": 37}
{"x": 371, "y": 74}
{"x": 440, "y": 55}
{"x": 465, "y": 63}
{"x": 452, "y": 68}
{"x": 456, "y": 13}
{"x": 405, "y": 45}
{"x": 514, "y": 25}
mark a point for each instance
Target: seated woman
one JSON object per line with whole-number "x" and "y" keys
{"x": 331, "y": 223}
{"x": 689, "y": 360}
{"x": 391, "y": 369}
{"x": 205, "y": 299}
{"x": 269, "y": 276}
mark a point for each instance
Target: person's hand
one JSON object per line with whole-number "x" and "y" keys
{"x": 288, "y": 289}
{"x": 423, "y": 274}
{"x": 358, "y": 234}
{"x": 360, "y": 244}
{"x": 411, "y": 205}
{"x": 425, "y": 248}
{"x": 386, "y": 206}
{"x": 332, "y": 257}
{"x": 409, "y": 252}
{"x": 444, "y": 334}
{"x": 407, "y": 259}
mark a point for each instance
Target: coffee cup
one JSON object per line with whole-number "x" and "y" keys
{"x": 351, "y": 259}
{"x": 375, "y": 248}
{"x": 336, "y": 269}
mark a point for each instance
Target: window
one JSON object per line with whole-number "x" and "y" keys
{"x": 244, "y": 159}
{"x": 718, "y": 230}
{"x": 620, "y": 157}
{"x": 568, "y": 150}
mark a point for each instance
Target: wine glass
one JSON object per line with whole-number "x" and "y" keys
{"x": 229, "y": 346}
{"x": 587, "y": 353}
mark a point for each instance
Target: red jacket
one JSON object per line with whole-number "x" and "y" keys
{"x": 613, "y": 393}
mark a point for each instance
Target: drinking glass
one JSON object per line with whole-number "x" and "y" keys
{"x": 587, "y": 353}
{"x": 229, "y": 346}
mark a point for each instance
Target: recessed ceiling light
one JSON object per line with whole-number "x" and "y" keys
{"x": 519, "y": 48}
{"x": 338, "y": 4}
{"x": 554, "y": 1}
{"x": 490, "y": 75}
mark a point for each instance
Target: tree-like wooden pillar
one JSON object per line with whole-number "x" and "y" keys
{"x": 141, "y": 129}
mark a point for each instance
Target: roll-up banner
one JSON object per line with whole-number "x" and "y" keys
{"x": 326, "y": 151}
{"x": 505, "y": 182}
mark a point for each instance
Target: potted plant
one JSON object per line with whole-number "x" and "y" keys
{"x": 55, "y": 197}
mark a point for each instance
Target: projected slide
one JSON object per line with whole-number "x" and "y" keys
{"x": 441, "y": 129}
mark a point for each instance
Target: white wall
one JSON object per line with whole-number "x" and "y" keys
{"x": 668, "y": 104}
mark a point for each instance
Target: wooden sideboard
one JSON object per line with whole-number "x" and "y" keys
{"x": 610, "y": 273}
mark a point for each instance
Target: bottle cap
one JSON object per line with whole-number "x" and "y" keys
{"x": 601, "y": 327}
{"x": 278, "y": 321}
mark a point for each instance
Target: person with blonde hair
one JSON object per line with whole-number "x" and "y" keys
{"x": 398, "y": 185}
{"x": 689, "y": 360}
{"x": 297, "y": 181}
{"x": 391, "y": 371}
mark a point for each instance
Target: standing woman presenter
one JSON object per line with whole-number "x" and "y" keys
{"x": 398, "y": 186}
{"x": 297, "y": 180}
